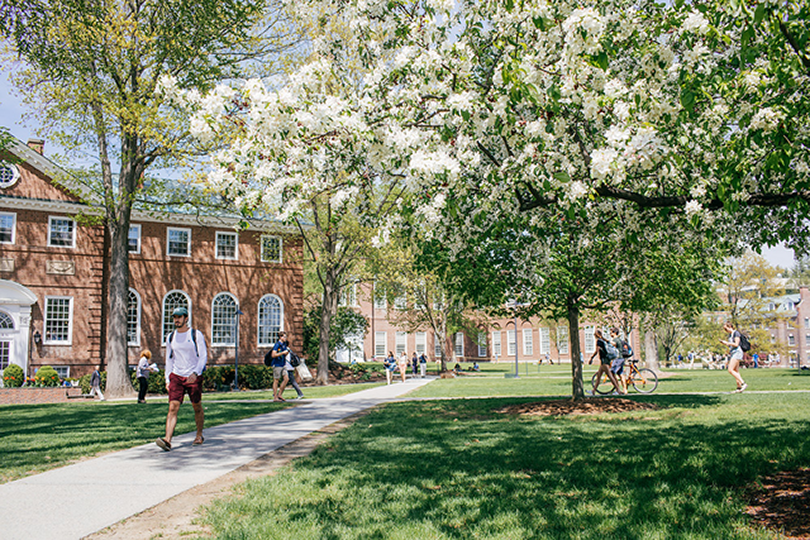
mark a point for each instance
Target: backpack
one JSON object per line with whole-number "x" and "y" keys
{"x": 745, "y": 345}
{"x": 612, "y": 352}
{"x": 268, "y": 358}
{"x": 294, "y": 360}
{"x": 627, "y": 350}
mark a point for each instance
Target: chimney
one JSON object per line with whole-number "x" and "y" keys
{"x": 37, "y": 145}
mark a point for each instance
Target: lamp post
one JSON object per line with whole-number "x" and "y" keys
{"x": 514, "y": 305}
{"x": 236, "y": 351}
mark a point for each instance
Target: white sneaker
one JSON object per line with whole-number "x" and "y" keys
{"x": 742, "y": 388}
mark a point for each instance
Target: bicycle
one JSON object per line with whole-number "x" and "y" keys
{"x": 644, "y": 380}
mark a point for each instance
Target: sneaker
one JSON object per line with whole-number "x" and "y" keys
{"x": 591, "y": 393}
{"x": 742, "y": 388}
{"x": 300, "y": 397}
{"x": 163, "y": 444}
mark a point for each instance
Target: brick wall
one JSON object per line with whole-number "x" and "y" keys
{"x": 17, "y": 396}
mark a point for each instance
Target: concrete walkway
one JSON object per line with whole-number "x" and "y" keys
{"x": 80, "y": 499}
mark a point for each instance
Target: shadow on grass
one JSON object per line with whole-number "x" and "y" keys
{"x": 463, "y": 471}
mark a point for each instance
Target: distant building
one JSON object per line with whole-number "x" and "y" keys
{"x": 54, "y": 270}
{"x": 494, "y": 341}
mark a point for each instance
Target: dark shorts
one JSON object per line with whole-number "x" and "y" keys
{"x": 179, "y": 386}
{"x": 617, "y": 365}
{"x": 604, "y": 361}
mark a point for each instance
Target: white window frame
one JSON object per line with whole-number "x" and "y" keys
{"x": 259, "y": 333}
{"x": 15, "y": 174}
{"x": 528, "y": 343}
{"x": 458, "y": 345}
{"x": 482, "y": 344}
{"x": 185, "y": 230}
{"x": 401, "y": 302}
{"x": 235, "y": 237}
{"x": 380, "y": 299}
{"x": 137, "y": 250}
{"x": 51, "y": 219}
{"x": 791, "y": 340}
{"x": 590, "y": 339}
{"x": 401, "y": 342}
{"x": 437, "y": 346}
{"x": 510, "y": 343}
{"x": 562, "y": 340}
{"x": 497, "y": 348}
{"x": 421, "y": 342}
{"x": 5, "y": 360}
{"x": 380, "y": 344}
{"x": 62, "y": 371}
{"x": 215, "y": 324}
{"x": 545, "y": 340}
{"x": 262, "y": 253}
{"x": 348, "y": 295}
{"x": 13, "y": 227}
{"x": 46, "y": 317}
{"x": 137, "y": 341}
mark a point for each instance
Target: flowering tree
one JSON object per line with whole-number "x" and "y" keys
{"x": 91, "y": 69}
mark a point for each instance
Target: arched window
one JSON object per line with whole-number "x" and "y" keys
{"x": 171, "y": 301}
{"x": 223, "y": 320}
{"x": 271, "y": 318}
{"x": 6, "y": 322}
{"x": 133, "y": 318}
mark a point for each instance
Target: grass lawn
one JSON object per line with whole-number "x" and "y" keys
{"x": 35, "y": 438}
{"x": 556, "y": 381}
{"x": 460, "y": 470}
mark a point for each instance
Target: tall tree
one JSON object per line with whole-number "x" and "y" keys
{"x": 92, "y": 68}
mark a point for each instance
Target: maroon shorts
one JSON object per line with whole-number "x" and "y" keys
{"x": 178, "y": 386}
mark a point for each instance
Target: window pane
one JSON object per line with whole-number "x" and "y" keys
{"x": 61, "y": 233}
{"x": 562, "y": 340}
{"x": 269, "y": 320}
{"x": 6, "y": 322}
{"x": 545, "y": 341}
{"x": 402, "y": 339}
{"x": 459, "y": 345}
{"x": 271, "y": 249}
{"x": 379, "y": 345}
{"x": 57, "y": 320}
{"x": 134, "y": 239}
{"x": 133, "y": 308}
{"x": 5, "y": 353}
{"x": 178, "y": 242}
{"x": 226, "y": 245}
{"x": 496, "y": 344}
{"x": 528, "y": 342}
{"x": 223, "y": 325}
{"x": 7, "y": 228}
{"x": 421, "y": 343}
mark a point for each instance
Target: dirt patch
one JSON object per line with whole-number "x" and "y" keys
{"x": 562, "y": 407}
{"x": 176, "y": 518}
{"x": 780, "y": 503}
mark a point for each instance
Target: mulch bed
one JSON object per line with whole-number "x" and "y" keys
{"x": 562, "y": 407}
{"x": 781, "y": 502}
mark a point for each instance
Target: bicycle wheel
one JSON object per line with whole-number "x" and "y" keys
{"x": 645, "y": 381}
{"x": 601, "y": 387}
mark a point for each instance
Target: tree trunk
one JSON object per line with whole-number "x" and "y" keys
{"x": 328, "y": 311}
{"x": 651, "y": 351}
{"x": 578, "y": 390}
{"x": 119, "y": 383}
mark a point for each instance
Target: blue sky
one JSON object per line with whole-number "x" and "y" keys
{"x": 11, "y": 112}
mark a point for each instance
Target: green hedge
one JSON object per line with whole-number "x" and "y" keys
{"x": 84, "y": 382}
{"x": 46, "y": 376}
{"x": 251, "y": 377}
{"x": 157, "y": 382}
{"x": 13, "y": 376}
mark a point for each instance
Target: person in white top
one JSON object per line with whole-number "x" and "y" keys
{"x": 186, "y": 356}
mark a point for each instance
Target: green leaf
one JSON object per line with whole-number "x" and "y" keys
{"x": 539, "y": 23}
{"x": 602, "y": 60}
{"x": 747, "y": 34}
{"x": 688, "y": 100}
{"x": 562, "y": 176}
{"x": 759, "y": 14}
{"x": 554, "y": 93}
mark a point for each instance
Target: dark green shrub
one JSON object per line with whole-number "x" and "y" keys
{"x": 13, "y": 376}
{"x": 157, "y": 382}
{"x": 46, "y": 376}
{"x": 218, "y": 378}
{"x": 255, "y": 377}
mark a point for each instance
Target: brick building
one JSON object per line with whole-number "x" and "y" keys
{"x": 54, "y": 266}
{"x": 494, "y": 340}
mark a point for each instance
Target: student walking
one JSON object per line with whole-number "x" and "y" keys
{"x": 617, "y": 365}
{"x": 278, "y": 358}
{"x": 288, "y": 367}
{"x": 423, "y": 365}
{"x": 403, "y": 365}
{"x": 735, "y": 355}
{"x": 143, "y": 371}
{"x": 604, "y": 362}
{"x": 390, "y": 364}
{"x": 95, "y": 383}
{"x": 186, "y": 357}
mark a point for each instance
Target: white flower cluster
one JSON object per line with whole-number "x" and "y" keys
{"x": 767, "y": 119}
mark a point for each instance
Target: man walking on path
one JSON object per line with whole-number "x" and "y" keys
{"x": 278, "y": 358}
{"x": 95, "y": 384}
{"x": 186, "y": 356}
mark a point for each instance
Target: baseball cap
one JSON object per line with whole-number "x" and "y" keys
{"x": 180, "y": 312}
